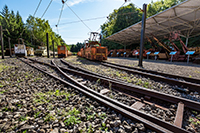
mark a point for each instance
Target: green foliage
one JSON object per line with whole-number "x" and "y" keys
{"x": 77, "y": 47}
{"x": 161, "y": 5}
{"x": 22, "y": 118}
{"x": 49, "y": 117}
{"x": 33, "y": 31}
{"x": 72, "y": 120}
{"x": 37, "y": 114}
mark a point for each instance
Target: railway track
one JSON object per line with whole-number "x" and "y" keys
{"x": 146, "y": 93}
{"x": 191, "y": 84}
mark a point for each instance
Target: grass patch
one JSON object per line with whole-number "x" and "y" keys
{"x": 22, "y": 118}
{"x": 72, "y": 117}
{"x": 44, "y": 97}
{"x": 3, "y": 67}
{"x": 49, "y": 117}
{"x": 36, "y": 79}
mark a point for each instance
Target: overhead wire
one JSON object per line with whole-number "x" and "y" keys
{"x": 83, "y": 20}
{"x": 46, "y": 9}
{"x": 33, "y": 15}
{"x": 60, "y": 16}
{"x": 79, "y": 17}
{"x": 37, "y": 8}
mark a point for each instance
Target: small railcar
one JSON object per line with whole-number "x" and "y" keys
{"x": 30, "y": 51}
{"x": 20, "y": 50}
{"x": 41, "y": 51}
{"x": 93, "y": 49}
{"x": 62, "y": 52}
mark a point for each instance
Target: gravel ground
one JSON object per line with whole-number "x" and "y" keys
{"x": 134, "y": 78}
{"x": 176, "y": 68}
{"x": 166, "y": 115}
{"x": 33, "y": 102}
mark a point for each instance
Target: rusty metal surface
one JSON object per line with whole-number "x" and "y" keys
{"x": 192, "y": 80}
{"x": 149, "y": 121}
{"x": 137, "y": 105}
{"x": 137, "y": 89}
{"x": 189, "y": 85}
{"x": 179, "y": 115}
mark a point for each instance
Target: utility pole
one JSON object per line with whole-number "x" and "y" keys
{"x": 2, "y": 46}
{"x": 53, "y": 49}
{"x": 47, "y": 45}
{"x": 9, "y": 46}
{"x": 142, "y": 34}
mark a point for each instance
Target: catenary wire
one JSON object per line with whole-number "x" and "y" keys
{"x": 33, "y": 15}
{"x": 46, "y": 9}
{"x": 37, "y": 8}
{"x": 79, "y": 18}
{"x": 60, "y": 14}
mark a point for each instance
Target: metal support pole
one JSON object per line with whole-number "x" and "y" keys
{"x": 188, "y": 58}
{"x": 186, "y": 41}
{"x": 47, "y": 45}
{"x": 53, "y": 49}
{"x": 142, "y": 34}
{"x": 9, "y": 47}
{"x": 124, "y": 50}
{"x": 2, "y": 46}
{"x": 171, "y": 57}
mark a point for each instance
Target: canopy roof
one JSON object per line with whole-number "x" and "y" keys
{"x": 184, "y": 17}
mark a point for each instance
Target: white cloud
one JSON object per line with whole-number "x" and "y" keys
{"x": 75, "y": 2}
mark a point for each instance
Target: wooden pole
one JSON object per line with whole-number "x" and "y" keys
{"x": 142, "y": 34}
{"x": 53, "y": 49}
{"x": 2, "y": 46}
{"x": 47, "y": 45}
{"x": 9, "y": 47}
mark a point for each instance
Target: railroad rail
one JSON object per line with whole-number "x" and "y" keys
{"x": 134, "y": 114}
{"x": 190, "y": 84}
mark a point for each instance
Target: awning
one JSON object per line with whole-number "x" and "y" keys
{"x": 184, "y": 17}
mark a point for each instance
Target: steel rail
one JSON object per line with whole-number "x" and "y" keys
{"x": 148, "y": 118}
{"x": 115, "y": 105}
{"x": 192, "y": 80}
{"x": 133, "y": 88}
{"x": 189, "y": 85}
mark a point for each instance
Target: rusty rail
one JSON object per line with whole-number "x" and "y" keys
{"x": 192, "y": 80}
{"x": 133, "y": 88}
{"x": 154, "y": 123}
{"x": 189, "y": 85}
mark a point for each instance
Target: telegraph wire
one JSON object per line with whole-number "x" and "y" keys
{"x": 79, "y": 18}
{"x": 46, "y": 9}
{"x": 37, "y": 8}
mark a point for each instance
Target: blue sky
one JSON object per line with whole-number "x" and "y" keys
{"x": 85, "y": 9}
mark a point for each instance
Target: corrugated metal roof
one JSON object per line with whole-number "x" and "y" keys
{"x": 184, "y": 17}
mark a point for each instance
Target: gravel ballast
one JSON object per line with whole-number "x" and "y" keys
{"x": 33, "y": 102}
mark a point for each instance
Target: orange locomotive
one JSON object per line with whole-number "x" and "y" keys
{"x": 62, "y": 52}
{"x": 93, "y": 49}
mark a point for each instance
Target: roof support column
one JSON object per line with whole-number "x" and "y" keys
{"x": 142, "y": 34}
{"x": 125, "y": 50}
{"x": 186, "y": 41}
